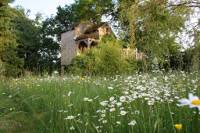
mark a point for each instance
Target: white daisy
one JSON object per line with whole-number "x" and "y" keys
{"x": 123, "y": 112}
{"x": 122, "y": 99}
{"x": 192, "y": 101}
{"x": 132, "y": 123}
{"x": 70, "y": 117}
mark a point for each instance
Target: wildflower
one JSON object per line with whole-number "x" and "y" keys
{"x": 70, "y": 117}
{"x": 113, "y": 103}
{"x": 112, "y": 99}
{"x": 137, "y": 112}
{"x": 103, "y": 111}
{"x": 103, "y": 115}
{"x": 122, "y": 99}
{"x": 123, "y": 112}
{"x": 72, "y": 128}
{"x": 192, "y": 102}
{"x": 98, "y": 111}
{"x": 104, "y": 121}
{"x": 118, "y": 122}
{"x": 126, "y": 92}
{"x": 100, "y": 119}
{"x": 87, "y": 99}
{"x": 132, "y": 123}
{"x": 60, "y": 111}
{"x": 150, "y": 103}
{"x": 196, "y": 102}
{"x": 96, "y": 97}
{"x": 178, "y": 126}
{"x": 104, "y": 103}
{"x": 70, "y": 105}
{"x": 69, "y": 93}
{"x": 86, "y": 124}
{"x": 112, "y": 109}
{"x": 119, "y": 104}
{"x": 110, "y": 88}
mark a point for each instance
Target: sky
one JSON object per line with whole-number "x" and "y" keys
{"x": 46, "y": 7}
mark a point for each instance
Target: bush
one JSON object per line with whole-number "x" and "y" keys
{"x": 107, "y": 59}
{"x": 84, "y": 63}
{"x": 13, "y": 65}
{"x": 110, "y": 59}
{"x": 196, "y": 58}
{"x": 1, "y": 68}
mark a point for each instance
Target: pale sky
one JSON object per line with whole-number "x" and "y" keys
{"x": 46, "y": 7}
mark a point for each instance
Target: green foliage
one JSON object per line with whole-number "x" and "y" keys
{"x": 82, "y": 11}
{"x": 84, "y": 63}
{"x": 8, "y": 41}
{"x": 191, "y": 57}
{"x": 196, "y": 58}
{"x": 2, "y": 68}
{"x": 13, "y": 64}
{"x": 150, "y": 26}
{"x": 110, "y": 59}
{"x": 28, "y": 40}
{"x": 92, "y": 10}
{"x": 106, "y": 59}
{"x": 175, "y": 59}
{"x": 41, "y": 105}
{"x": 48, "y": 48}
{"x": 196, "y": 50}
{"x": 153, "y": 27}
{"x": 5, "y": 2}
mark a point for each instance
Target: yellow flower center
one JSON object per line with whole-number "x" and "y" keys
{"x": 178, "y": 126}
{"x": 196, "y": 102}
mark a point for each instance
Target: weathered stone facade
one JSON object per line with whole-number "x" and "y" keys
{"x": 84, "y": 35}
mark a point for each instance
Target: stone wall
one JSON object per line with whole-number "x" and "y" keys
{"x": 68, "y": 47}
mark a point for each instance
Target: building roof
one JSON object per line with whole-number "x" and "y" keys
{"x": 89, "y": 30}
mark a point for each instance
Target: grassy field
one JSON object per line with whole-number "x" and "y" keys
{"x": 140, "y": 103}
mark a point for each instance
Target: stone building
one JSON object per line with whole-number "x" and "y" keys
{"x": 84, "y": 35}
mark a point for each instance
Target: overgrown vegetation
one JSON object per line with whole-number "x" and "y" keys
{"x": 106, "y": 59}
{"x": 133, "y": 83}
{"x": 152, "y": 27}
{"x": 137, "y": 103}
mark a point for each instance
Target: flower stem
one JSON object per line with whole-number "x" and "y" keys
{"x": 196, "y": 122}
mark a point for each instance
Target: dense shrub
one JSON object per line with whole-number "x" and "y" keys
{"x": 196, "y": 58}
{"x": 84, "y": 63}
{"x": 13, "y": 65}
{"x": 1, "y": 68}
{"x": 110, "y": 59}
{"x": 107, "y": 59}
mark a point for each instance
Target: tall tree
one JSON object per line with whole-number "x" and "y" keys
{"x": 37, "y": 43}
{"x": 196, "y": 50}
{"x": 12, "y": 63}
{"x": 28, "y": 39}
{"x": 153, "y": 26}
{"x": 83, "y": 11}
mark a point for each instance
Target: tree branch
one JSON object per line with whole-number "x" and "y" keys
{"x": 188, "y": 4}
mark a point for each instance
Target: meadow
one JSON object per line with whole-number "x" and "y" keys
{"x": 138, "y": 103}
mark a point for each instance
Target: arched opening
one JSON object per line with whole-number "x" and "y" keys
{"x": 93, "y": 44}
{"x": 82, "y": 46}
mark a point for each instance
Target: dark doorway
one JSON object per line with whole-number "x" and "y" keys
{"x": 93, "y": 44}
{"x": 82, "y": 46}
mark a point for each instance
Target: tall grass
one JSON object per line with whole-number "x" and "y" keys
{"x": 145, "y": 103}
